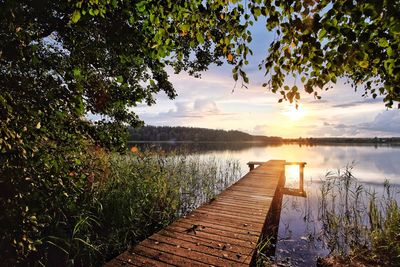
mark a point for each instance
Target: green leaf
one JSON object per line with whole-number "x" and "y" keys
{"x": 199, "y": 38}
{"x": 376, "y": 61}
{"x": 227, "y": 41}
{"x": 77, "y": 73}
{"x": 390, "y": 52}
{"x": 257, "y": 12}
{"x": 363, "y": 64}
{"x": 75, "y": 16}
{"x": 185, "y": 27}
{"x": 322, "y": 33}
{"x": 235, "y": 76}
{"x": 383, "y": 42}
{"x": 141, "y": 6}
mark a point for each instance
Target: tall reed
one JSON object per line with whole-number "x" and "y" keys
{"x": 358, "y": 222}
{"x": 146, "y": 191}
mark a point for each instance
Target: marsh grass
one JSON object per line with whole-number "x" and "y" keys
{"x": 360, "y": 223}
{"x": 146, "y": 191}
{"x": 262, "y": 257}
{"x": 351, "y": 222}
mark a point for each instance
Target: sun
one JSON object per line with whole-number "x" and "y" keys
{"x": 293, "y": 113}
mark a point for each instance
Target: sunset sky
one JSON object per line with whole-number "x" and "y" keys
{"x": 210, "y": 103}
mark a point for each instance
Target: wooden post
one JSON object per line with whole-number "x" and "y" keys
{"x": 251, "y": 166}
{"x": 301, "y": 167}
{"x": 300, "y": 191}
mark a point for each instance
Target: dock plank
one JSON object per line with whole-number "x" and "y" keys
{"x": 223, "y": 232}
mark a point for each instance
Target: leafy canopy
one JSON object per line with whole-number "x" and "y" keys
{"x": 316, "y": 41}
{"x": 320, "y": 41}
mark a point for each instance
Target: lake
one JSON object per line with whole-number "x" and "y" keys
{"x": 299, "y": 226}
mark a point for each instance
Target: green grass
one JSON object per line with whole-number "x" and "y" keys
{"x": 358, "y": 223}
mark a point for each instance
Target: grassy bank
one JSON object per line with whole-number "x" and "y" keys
{"x": 115, "y": 201}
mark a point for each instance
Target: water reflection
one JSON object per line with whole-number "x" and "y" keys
{"x": 373, "y": 164}
{"x": 299, "y": 231}
{"x": 292, "y": 173}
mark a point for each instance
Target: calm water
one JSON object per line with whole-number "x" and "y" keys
{"x": 297, "y": 245}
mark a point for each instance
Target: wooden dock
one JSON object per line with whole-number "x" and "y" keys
{"x": 224, "y": 232}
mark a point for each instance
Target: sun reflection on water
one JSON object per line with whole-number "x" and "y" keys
{"x": 292, "y": 173}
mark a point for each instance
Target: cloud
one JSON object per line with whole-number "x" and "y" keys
{"x": 261, "y": 129}
{"x": 386, "y": 123}
{"x": 200, "y": 108}
{"x": 206, "y": 106}
{"x": 316, "y": 101}
{"x": 197, "y": 109}
{"x": 331, "y": 129}
{"x": 357, "y": 103}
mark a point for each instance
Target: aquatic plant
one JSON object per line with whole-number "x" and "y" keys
{"x": 262, "y": 255}
{"x": 360, "y": 223}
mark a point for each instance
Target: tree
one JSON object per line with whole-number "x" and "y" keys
{"x": 67, "y": 59}
{"x": 60, "y": 60}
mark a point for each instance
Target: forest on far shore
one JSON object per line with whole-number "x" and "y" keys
{"x": 194, "y": 134}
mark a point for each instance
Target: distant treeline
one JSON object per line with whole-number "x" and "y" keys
{"x": 192, "y": 134}
{"x": 189, "y": 134}
{"x": 343, "y": 140}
